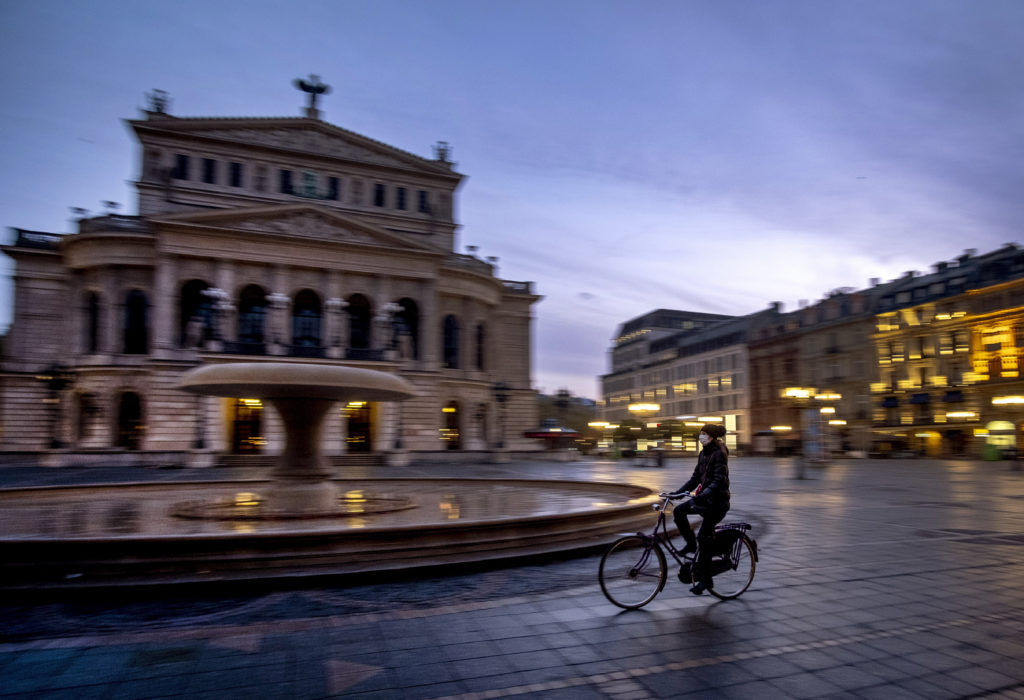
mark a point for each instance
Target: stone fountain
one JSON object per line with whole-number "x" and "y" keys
{"x": 302, "y": 394}
{"x": 301, "y": 522}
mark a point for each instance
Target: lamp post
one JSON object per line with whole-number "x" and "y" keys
{"x": 501, "y": 392}
{"x": 642, "y": 410}
{"x": 1013, "y": 403}
{"x": 57, "y": 378}
{"x": 812, "y": 404}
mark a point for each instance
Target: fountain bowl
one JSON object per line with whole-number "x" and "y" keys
{"x": 92, "y": 537}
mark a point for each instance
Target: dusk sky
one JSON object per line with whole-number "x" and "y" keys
{"x": 712, "y": 155}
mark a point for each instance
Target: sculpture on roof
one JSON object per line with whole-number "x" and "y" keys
{"x": 314, "y": 88}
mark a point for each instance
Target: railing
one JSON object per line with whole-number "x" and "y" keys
{"x": 233, "y": 347}
{"x": 517, "y": 287}
{"x": 468, "y": 262}
{"x": 113, "y": 222}
{"x": 36, "y": 239}
{"x": 364, "y": 354}
{"x": 306, "y": 351}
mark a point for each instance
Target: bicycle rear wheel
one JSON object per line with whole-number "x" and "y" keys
{"x": 734, "y": 570}
{"x": 632, "y": 571}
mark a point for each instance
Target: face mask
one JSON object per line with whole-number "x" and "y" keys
{"x": 704, "y": 438}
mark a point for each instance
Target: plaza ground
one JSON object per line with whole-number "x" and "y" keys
{"x": 877, "y": 579}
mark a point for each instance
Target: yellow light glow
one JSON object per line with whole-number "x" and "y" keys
{"x": 356, "y": 404}
{"x": 1005, "y": 400}
{"x": 827, "y": 409}
{"x": 638, "y": 407}
{"x": 795, "y": 392}
{"x": 782, "y": 428}
{"x": 961, "y": 414}
{"x": 448, "y": 409}
{"x": 710, "y": 419}
{"x": 246, "y": 498}
{"x": 837, "y": 421}
{"x": 252, "y": 402}
{"x": 598, "y": 424}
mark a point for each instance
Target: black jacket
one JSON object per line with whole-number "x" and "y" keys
{"x": 712, "y": 475}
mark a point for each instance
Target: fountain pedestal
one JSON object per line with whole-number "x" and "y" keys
{"x": 302, "y": 394}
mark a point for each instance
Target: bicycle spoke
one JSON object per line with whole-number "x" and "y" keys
{"x": 734, "y": 571}
{"x": 632, "y": 572}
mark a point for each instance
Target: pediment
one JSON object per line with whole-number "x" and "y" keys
{"x": 299, "y": 221}
{"x": 302, "y": 136}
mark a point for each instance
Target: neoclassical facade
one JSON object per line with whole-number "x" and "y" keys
{"x": 264, "y": 239}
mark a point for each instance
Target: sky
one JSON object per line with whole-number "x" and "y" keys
{"x": 707, "y": 155}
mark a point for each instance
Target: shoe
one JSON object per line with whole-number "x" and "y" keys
{"x": 701, "y": 586}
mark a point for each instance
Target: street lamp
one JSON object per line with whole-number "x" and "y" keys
{"x": 501, "y": 393}
{"x": 1011, "y": 402}
{"x": 57, "y": 378}
{"x": 815, "y": 448}
{"x": 641, "y": 410}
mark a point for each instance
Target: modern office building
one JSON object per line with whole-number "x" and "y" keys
{"x": 679, "y": 368}
{"x": 925, "y": 364}
{"x": 263, "y": 239}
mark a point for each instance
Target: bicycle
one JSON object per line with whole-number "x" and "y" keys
{"x": 634, "y": 570}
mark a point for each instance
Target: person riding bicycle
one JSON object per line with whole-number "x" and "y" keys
{"x": 709, "y": 486}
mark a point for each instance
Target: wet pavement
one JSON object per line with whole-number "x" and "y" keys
{"x": 877, "y": 579}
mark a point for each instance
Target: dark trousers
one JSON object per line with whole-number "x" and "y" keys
{"x": 705, "y": 535}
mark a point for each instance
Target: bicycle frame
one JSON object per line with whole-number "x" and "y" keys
{"x": 682, "y": 559}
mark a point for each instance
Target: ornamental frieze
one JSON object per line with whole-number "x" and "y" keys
{"x": 304, "y": 224}
{"x": 308, "y": 140}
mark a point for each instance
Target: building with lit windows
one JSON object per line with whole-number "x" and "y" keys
{"x": 924, "y": 364}
{"x": 257, "y": 239}
{"x": 948, "y": 347}
{"x": 678, "y": 370}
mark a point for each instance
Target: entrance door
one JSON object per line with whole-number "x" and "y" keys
{"x": 130, "y": 425}
{"x": 247, "y": 437}
{"x": 360, "y": 427}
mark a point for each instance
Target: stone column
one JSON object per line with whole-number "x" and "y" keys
{"x": 336, "y": 327}
{"x": 165, "y": 303}
{"x": 111, "y": 310}
{"x": 227, "y": 329}
{"x": 430, "y": 326}
{"x": 277, "y": 321}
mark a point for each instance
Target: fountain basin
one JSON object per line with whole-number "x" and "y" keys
{"x": 99, "y": 536}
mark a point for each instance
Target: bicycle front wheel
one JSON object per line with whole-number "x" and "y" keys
{"x": 632, "y": 571}
{"x": 734, "y": 571}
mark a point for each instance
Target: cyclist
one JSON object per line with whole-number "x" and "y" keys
{"x": 710, "y": 488}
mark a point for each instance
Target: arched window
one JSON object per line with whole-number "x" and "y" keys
{"x": 409, "y": 326}
{"x": 481, "y": 345}
{"x": 92, "y": 323}
{"x": 136, "y": 324}
{"x": 451, "y": 342}
{"x": 252, "y": 312}
{"x": 359, "y": 321}
{"x": 306, "y": 315}
{"x": 195, "y": 315}
{"x": 130, "y": 426}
